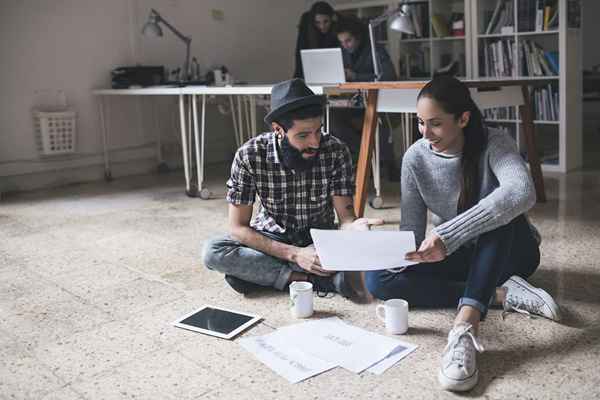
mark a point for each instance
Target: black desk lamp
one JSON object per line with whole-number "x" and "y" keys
{"x": 400, "y": 21}
{"x": 152, "y": 28}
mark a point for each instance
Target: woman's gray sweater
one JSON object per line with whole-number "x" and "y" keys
{"x": 431, "y": 181}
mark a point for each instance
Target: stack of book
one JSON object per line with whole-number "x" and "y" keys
{"x": 501, "y": 19}
{"x": 545, "y": 103}
{"x": 497, "y": 58}
{"x": 500, "y": 113}
{"x": 535, "y": 61}
{"x": 537, "y": 15}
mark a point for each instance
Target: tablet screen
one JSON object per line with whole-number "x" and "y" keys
{"x": 216, "y": 320}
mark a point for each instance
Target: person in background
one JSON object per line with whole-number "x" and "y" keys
{"x": 358, "y": 66}
{"x": 356, "y": 49}
{"x": 315, "y": 31}
{"x": 477, "y": 188}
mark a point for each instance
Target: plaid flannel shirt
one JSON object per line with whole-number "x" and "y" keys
{"x": 290, "y": 202}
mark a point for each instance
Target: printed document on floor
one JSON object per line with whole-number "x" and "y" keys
{"x": 362, "y": 250}
{"x": 302, "y": 350}
{"x": 288, "y": 361}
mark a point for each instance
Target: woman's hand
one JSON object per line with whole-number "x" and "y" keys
{"x": 432, "y": 249}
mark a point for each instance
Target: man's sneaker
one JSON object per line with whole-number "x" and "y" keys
{"x": 241, "y": 286}
{"x": 347, "y": 284}
{"x": 526, "y": 299}
{"x": 459, "y": 362}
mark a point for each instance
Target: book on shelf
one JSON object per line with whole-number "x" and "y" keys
{"x": 545, "y": 103}
{"x": 498, "y": 58}
{"x": 537, "y": 15}
{"x": 552, "y": 58}
{"x": 535, "y": 61}
{"x": 501, "y": 20}
{"x": 440, "y": 26}
{"x": 500, "y": 113}
{"x": 457, "y": 24}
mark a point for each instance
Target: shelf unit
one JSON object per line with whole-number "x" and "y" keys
{"x": 559, "y": 138}
{"x": 559, "y": 141}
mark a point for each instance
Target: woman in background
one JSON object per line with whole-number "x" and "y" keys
{"x": 315, "y": 31}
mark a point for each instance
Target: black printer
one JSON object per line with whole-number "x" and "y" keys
{"x": 125, "y": 77}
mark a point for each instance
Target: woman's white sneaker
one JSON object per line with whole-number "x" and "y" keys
{"x": 527, "y": 299}
{"x": 459, "y": 362}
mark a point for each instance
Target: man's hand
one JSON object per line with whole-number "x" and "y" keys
{"x": 349, "y": 74}
{"x": 432, "y": 249}
{"x": 308, "y": 260}
{"x": 362, "y": 224}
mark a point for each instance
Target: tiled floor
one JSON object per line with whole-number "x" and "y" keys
{"x": 91, "y": 276}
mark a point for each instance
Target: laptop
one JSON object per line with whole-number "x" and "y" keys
{"x": 323, "y": 66}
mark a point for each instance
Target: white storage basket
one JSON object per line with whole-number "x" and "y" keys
{"x": 56, "y": 132}
{"x": 54, "y": 123}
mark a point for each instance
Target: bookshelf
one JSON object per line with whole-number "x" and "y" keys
{"x": 517, "y": 44}
{"x": 531, "y": 39}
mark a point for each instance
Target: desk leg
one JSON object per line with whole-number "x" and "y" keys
{"x": 327, "y": 111}
{"x": 204, "y": 193}
{"x": 162, "y": 165}
{"x": 247, "y": 117}
{"x": 240, "y": 119}
{"x": 532, "y": 155}
{"x": 235, "y": 124}
{"x": 107, "y": 174}
{"x": 253, "y": 116}
{"x": 184, "y": 144}
{"x": 366, "y": 151}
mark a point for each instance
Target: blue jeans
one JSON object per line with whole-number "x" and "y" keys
{"x": 469, "y": 276}
{"x": 231, "y": 257}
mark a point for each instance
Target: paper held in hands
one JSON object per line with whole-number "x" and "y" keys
{"x": 363, "y": 250}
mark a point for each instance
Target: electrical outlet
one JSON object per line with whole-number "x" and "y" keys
{"x": 217, "y": 15}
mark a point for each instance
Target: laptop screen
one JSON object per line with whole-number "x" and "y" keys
{"x": 323, "y": 66}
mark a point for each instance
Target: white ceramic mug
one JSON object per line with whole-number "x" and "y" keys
{"x": 394, "y": 313}
{"x": 301, "y": 296}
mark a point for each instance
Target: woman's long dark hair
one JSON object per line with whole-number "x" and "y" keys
{"x": 307, "y": 23}
{"x": 454, "y": 98}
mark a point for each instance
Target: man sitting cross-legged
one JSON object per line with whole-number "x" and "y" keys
{"x": 300, "y": 176}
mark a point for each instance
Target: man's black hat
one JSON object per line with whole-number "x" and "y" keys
{"x": 291, "y": 95}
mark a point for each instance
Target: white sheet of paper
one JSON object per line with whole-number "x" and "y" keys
{"x": 402, "y": 351}
{"x": 333, "y": 340}
{"x": 284, "y": 359}
{"x": 362, "y": 251}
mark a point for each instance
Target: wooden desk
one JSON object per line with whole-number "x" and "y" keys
{"x": 370, "y": 121}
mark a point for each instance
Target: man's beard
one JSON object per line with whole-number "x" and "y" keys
{"x": 292, "y": 157}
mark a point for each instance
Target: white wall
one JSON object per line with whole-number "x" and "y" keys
{"x": 72, "y": 45}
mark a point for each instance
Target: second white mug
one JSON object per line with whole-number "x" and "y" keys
{"x": 394, "y": 313}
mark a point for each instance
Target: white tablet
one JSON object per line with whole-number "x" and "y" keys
{"x": 217, "y": 321}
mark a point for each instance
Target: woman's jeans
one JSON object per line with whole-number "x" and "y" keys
{"x": 469, "y": 276}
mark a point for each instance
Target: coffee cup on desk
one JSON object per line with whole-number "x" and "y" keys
{"x": 394, "y": 313}
{"x": 301, "y": 297}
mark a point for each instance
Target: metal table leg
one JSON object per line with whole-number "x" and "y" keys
{"x": 199, "y": 142}
{"x": 162, "y": 165}
{"x": 184, "y": 145}
{"x": 377, "y": 201}
{"x": 103, "y": 127}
